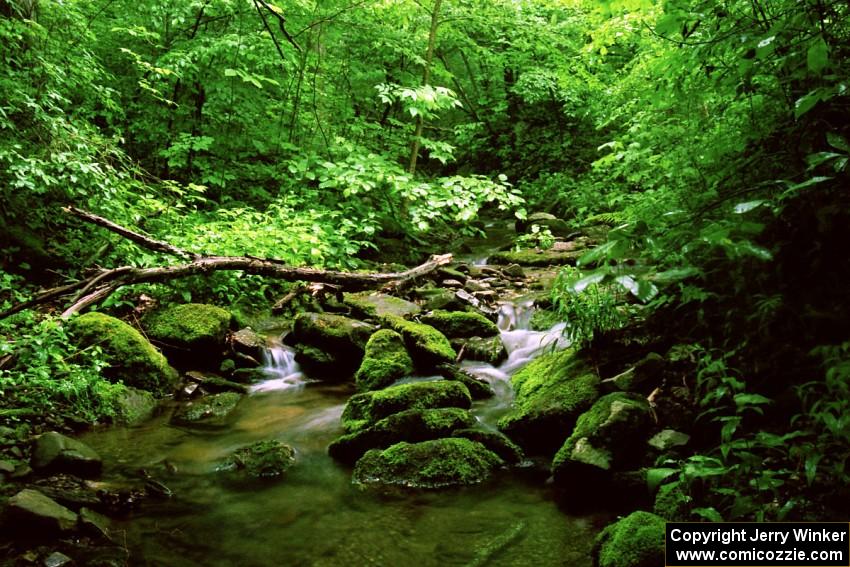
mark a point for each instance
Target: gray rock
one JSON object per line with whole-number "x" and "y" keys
{"x": 94, "y": 524}
{"x": 668, "y": 439}
{"x": 247, "y": 342}
{"x": 57, "y": 559}
{"x": 452, "y": 283}
{"x": 30, "y": 510}
{"x": 55, "y": 452}
{"x": 207, "y": 411}
{"x": 514, "y": 271}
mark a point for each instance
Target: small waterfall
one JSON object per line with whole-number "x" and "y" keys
{"x": 515, "y": 315}
{"x": 280, "y": 365}
{"x": 522, "y": 345}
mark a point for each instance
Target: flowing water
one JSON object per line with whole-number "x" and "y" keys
{"x": 314, "y": 515}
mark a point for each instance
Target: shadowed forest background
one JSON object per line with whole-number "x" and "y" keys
{"x": 701, "y": 146}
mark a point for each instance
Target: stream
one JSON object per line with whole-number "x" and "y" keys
{"x": 314, "y": 515}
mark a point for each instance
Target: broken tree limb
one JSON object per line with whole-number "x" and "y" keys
{"x": 104, "y": 282}
{"x": 141, "y": 239}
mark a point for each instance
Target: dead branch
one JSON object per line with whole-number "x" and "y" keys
{"x": 104, "y": 282}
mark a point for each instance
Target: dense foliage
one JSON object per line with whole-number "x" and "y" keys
{"x": 712, "y": 137}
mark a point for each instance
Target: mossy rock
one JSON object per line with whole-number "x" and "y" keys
{"x": 610, "y": 436}
{"x": 329, "y": 346}
{"x": 485, "y": 349}
{"x": 460, "y": 324}
{"x": 190, "y": 333}
{"x": 133, "y": 359}
{"x": 635, "y": 541}
{"x": 375, "y": 305}
{"x": 438, "y": 298}
{"x": 497, "y": 442}
{"x": 537, "y": 258}
{"x": 550, "y": 393}
{"x": 409, "y": 425}
{"x": 429, "y": 464}
{"x": 386, "y": 360}
{"x": 367, "y": 408}
{"x": 263, "y": 459}
{"x": 672, "y": 503}
{"x": 207, "y": 411}
{"x": 133, "y": 406}
{"x": 427, "y": 346}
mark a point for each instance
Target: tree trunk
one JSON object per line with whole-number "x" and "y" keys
{"x": 426, "y": 78}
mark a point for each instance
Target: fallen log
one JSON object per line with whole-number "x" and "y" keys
{"x": 104, "y": 282}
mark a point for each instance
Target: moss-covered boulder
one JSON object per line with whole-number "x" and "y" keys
{"x": 375, "y": 305}
{"x": 672, "y": 502}
{"x": 409, "y": 425}
{"x": 438, "y": 298}
{"x": 132, "y": 359}
{"x": 428, "y": 346}
{"x": 497, "y": 442}
{"x": 550, "y": 393}
{"x": 367, "y": 408}
{"x": 329, "y": 346}
{"x": 263, "y": 459}
{"x": 537, "y": 258}
{"x": 54, "y": 452}
{"x": 209, "y": 411}
{"x": 429, "y": 464}
{"x": 386, "y": 360}
{"x": 133, "y": 406}
{"x": 485, "y": 349}
{"x": 460, "y": 324}
{"x": 30, "y": 512}
{"x": 193, "y": 328}
{"x": 610, "y": 436}
{"x": 635, "y": 541}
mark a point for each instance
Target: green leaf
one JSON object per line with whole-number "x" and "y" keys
{"x": 656, "y": 476}
{"x": 742, "y": 208}
{"x": 642, "y": 289}
{"x": 837, "y": 142}
{"x": 709, "y": 514}
{"x": 817, "y": 56}
{"x": 807, "y": 102}
{"x": 583, "y": 283}
{"x": 811, "y": 466}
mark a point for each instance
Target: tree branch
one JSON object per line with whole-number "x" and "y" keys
{"x": 103, "y": 283}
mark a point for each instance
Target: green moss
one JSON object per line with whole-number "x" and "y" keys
{"x": 551, "y": 392}
{"x": 373, "y": 305}
{"x": 263, "y": 459}
{"x": 672, "y": 503}
{"x": 497, "y": 442}
{"x": 543, "y": 320}
{"x": 369, "y": 407}
{"x": 534, "y": 257}
{"x": 428, "y": 346}
{"x": 189, "y": 326}
{"x": 386, "y": 360}
{"x": 607, "y": 434}
{"x": 635, "y": 541}
{"x": 458, "y": 324}
{"x": 410, "y": 425}
{"x": 133, "y": 360}
{"x": 429, "y": 464}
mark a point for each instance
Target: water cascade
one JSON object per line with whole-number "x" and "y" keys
{"x": 280, "y": 365}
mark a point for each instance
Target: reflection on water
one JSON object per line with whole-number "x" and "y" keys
{"x": 314, "y": 515}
